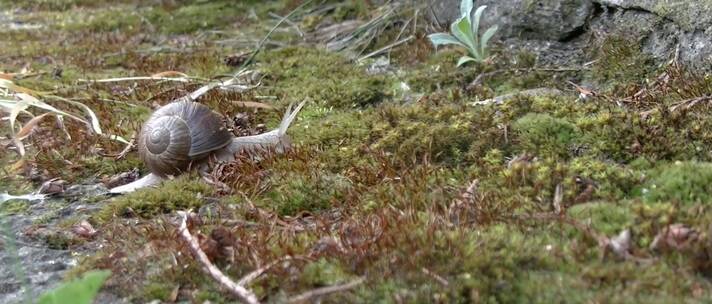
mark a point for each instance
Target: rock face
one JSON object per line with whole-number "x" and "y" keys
{"x": 561, "y": 29}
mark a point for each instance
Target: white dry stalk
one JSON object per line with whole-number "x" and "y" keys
{"x": 245, "y": 295}
{"x": 247, "y": 279}
{"x": 319, "y": 292}
{"x": 120, "y": 79}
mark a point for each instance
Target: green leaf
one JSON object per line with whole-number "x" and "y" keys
{"x": 465, "y": 59}
{"x": 444, "y": 39}
{"x": 81, "y": 291}
{"x": 485, "y": 39}
{"x": 476, "y": 23}
{"x": 466, "y": 8}
{"x": 462, "y": 31}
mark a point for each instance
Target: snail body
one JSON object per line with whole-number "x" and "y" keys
{"x": 184, "y": 134}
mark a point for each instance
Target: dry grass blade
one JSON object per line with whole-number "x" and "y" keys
{"x": 94, "y": 119}
{"x": 170, "y": 74}
{"x": 120, "y": 79}
{"x": 253, "y": 104}
{"x": 29, "y": 126}
{"x": 4, "y": 83}
{"x": 246, "y": 280}
{"x": 245, "y": 295}
{"x": 15, "y": 111}
{"x": 33, "y": 101}
{"x": 319, "y": 292}
{"x": 19, "y": 146}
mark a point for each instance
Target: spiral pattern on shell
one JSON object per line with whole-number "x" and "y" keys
{"x": 179, "y": 133}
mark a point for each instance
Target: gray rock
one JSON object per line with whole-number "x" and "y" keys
{"x": 526, "y": 19}
{"x": 552, "y": 28}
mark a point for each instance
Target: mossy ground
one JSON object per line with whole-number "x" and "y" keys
{"x": 376, "y": 184}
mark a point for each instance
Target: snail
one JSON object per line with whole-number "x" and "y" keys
{"x": 185, "y": 135}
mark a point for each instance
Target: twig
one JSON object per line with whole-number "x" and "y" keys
{"x": 689, "y": 103}
{"x": 247, "y": 279}
{"x": 686, "y": 104}
{"x": 304, "y": 297}
{"x": 130, "y": 146}
{"x": 242, "y": 293}
{"x": 387, "y": 47}
{"x": 435, "y": 276}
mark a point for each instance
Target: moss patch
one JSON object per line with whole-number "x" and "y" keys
{"x": 183, "y": 193}
{"x": 682, "y": 182}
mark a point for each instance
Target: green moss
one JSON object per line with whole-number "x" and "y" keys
{"x": 13, "y": 207}
{"x": 339, "y": 135}
{"x": 440, "y": 72}
{"x": 199, "y": 16}
{"x": 620, "y": 62}
{"x": 683, "y": 182}
{"x": 124, "y": 19}
{"x": 613, "y": 181}
{"x": 156, "y": 291}
{"x": 377, "y": 167}
{"x": 607, "y": 218}
{"x": 323, "y": 273}
{"x": 60, "y": 240}
{"x": 450, "y": 133}
{"x": 327, "y": 78}
{"x": 309, "y": 192}
{"x": 181, "y": 193}
{"x": 544, "y": 134}
{"x": 351, "y": 10}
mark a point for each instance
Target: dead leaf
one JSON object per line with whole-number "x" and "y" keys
{"x": 619, "y": 245}
{"x": 174, "y": 294}
{"x": 236, "y": 60}
{"x": 584, "y": 93}
{"x": 676, "y": 237}
{"x": 84, "y": 229}
{"x": 18, "y": 166}
{"x": 208, "y": 245}
{"x": 122, "y": 178}
{"x": 53, "y": 186}
{"x": 29, "y": 126}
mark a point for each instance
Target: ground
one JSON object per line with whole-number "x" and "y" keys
{"x": 394, "y": 176}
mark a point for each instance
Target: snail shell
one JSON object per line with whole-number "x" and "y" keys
{"x": 179, "y": 133}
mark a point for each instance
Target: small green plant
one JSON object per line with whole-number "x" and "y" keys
{"x": 80, "y": 291}
{"x": 465, "y": 33}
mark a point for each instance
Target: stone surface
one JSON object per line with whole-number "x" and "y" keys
{"x": 28, "y": 267}
{"x": 664, "y": 28}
